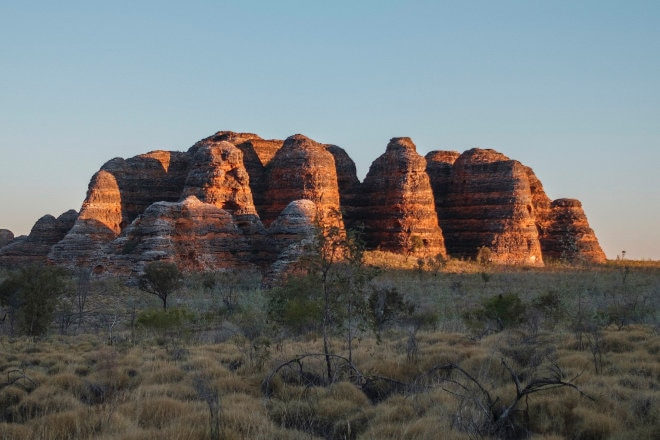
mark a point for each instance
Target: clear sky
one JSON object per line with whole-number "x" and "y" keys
{"x": 570, "y": 88}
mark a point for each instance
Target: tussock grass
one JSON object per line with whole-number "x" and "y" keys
{"x": 146, "y": 386}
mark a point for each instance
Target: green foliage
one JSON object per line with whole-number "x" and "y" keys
{"x": 550, "y": 305}
{"x": 31, "y": 294}
{"x": 297, "y": 305}
{"x": 165, "y": 319}
{"x": 167, "y": 324}
{"x": 498, "y": 312}
{"x": 161, "y": 279}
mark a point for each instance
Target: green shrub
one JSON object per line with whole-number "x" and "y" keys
{"x": 497, "y": 313}
{"x": 297, "y": 304}
{"x": 31, "y": 295}
{"x": 168, "y": 323}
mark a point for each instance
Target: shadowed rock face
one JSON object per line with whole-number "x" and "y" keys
{"x": 257, "y": 154}
{"x": 348, "y": 183}
{"x": 34, "y": 248}
{"x": 6, "y": 237}
{"x": 302, "y": 169}
{"x": 439, "y": 167}
{"x": 395, "y": 203}
{"x": 204, "y": 208}
{"x": 293, "y": 230}
{"x": 568, "y": 235}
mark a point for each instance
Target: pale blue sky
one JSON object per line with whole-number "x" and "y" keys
{"x": 570, "y": 88}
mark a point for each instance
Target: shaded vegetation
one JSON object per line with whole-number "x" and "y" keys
{"x": 559, "y": 352}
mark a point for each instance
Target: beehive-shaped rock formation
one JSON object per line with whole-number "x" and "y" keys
{"x": 489, "y": 204}
{"x": 34, "y": 248}
{"x": 302, "y": 169}
{"x": 395, "y": 203}
{"x": 236, "y": 199}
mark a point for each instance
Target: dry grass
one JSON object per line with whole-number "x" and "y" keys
{"x": 90, "y": 386}
{"x": 161, "y": 400}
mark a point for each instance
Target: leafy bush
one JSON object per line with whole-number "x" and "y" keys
{"x": 497, "y": 313}
{"x": 167, "y": 323}
{"x": 297, "y": 305}
{"x": 31, "y": 294}
{"x": 161, "y": 279}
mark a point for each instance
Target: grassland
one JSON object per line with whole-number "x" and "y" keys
{"x": 102, "y": 374}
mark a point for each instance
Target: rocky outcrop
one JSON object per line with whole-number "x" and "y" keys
{"x": 6, "y": 237}
{"x": 290, "y": 235}
{"x": 439, "y": 167}
{"x": 197, "y": 236}
{"x": 237, "y": 199}
{"x": 117, "y": 194}
{"x": 568, "y": 236}
{"x": 34, "y": 248}
{"x": 488, "y": 203}
{"x": 302, "y": 169}
{"x": 257, "y": 154}
{"x": 396, "y": 206}
{"x": 217, "y": 176}
{"x": 347, "y": 183}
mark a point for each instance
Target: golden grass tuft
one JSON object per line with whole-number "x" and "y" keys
{"x": 154, "y": 412}
{"x": 13, "y": 431}
{"x": 65, "y": 425}
{"x": 589, "y": 424}
{"x": 161, "y": 372}
{"x": 245, "y": 416}
{"x": 45, "y": 400}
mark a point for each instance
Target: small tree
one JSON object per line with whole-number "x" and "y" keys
{"x": 31, "y": 295}
{"x": 161, "y": 279}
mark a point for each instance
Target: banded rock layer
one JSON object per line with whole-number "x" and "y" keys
{"x": 395, "y": 203}
{"x": 235, "y": 199}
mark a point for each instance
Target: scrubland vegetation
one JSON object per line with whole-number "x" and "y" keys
{"x": 411, "y": 350}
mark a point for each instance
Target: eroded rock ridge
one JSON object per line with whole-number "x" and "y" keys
{"x": 235, "y": 200}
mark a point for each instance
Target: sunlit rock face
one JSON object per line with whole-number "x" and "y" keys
{"x": 395, "y": 203}
{"x": 235, "y": 199}
{"x": 6, "y": 237}
{"x": 197, "y": 236}
{"x": 34, "y": 248}
{"x": 488, "y": 202}
{"x": 302, "y": 169}
{"x": 117, "y": 194}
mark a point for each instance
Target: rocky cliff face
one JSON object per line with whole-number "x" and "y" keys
{"x": 395, "y": 203}
{"x": 257, "y": 154}
{"x": 34, "y": 248}
{"x": 302, "y": 169}
{"x": 488, "y": 202}
{"x": 197, "y": 236}
{"x": 235, "y": 199}
{"x": 117, "y": 194}
{"x": 567, "y": 235}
